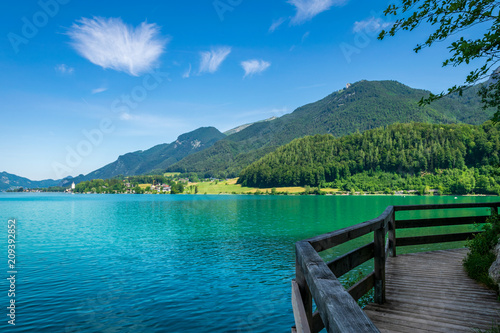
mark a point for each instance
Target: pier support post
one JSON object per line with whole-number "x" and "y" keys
{"x": 379, "y": 264}
{"x": 305, "y": 293}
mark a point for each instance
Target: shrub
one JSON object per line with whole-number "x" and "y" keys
{"x": 481, "y": 256}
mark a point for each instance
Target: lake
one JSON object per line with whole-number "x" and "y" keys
{"x": 166, "y": 263}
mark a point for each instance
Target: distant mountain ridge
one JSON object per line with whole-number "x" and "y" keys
{"x": 159, "y": 157}
{"x": 11, "y": 181}
{"x": 362, "y": 106}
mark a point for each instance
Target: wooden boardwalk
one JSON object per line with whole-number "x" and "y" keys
{"x": 430, "y": 292}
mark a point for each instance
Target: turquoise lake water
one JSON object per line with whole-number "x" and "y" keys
{"x": 165, "y": 263}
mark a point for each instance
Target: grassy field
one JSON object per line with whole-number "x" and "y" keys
{"x": 230, "y": 187}
{"x": 171, "y": 174}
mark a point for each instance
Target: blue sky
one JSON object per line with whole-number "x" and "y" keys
{"x": 86, "y": 81}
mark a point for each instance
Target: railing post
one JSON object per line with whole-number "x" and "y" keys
{"x": 379, "y": 264}
{"x": 494, "y": 210}
{"x": 392, "y": 234}
{"x": 305, "y": 293}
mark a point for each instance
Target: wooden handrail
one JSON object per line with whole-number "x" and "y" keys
{"x": 337, "y": 309}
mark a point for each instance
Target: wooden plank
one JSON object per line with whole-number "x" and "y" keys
{"x": 431, "y": 239}
{"x": 422, "y": 223}
{"x": 338, "y": 310}
{"x": 299, "y": 312}
{"x": 431, "y": 292}
{"x": 362, "y": 287}
{"x": 331, "y": 239}
{"x": 392, "y": 235}
{"x": 379, "y": 265}
{"x": 447, "y": 206}
{"x": 305, "y": 293}
{"x": 352, "y": 259}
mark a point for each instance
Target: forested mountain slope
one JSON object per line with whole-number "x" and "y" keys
{"x": 362, "y": 106}
{"x": 403, "y": 149}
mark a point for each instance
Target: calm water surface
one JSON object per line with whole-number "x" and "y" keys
{"x": 151, "y": 263}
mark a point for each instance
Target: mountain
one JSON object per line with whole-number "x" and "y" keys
{"x": 362, "y": 106}
{"x": 152, "y": 160}
{"x": 10, "y": 181}
{"x": 402, "y": 149}
{"x": 242, "y": 127}
{"x": 159, "y": 157}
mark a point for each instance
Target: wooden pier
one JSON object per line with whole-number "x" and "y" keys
{"x": 416, "y": 292}
{"x": 431, "y": 292}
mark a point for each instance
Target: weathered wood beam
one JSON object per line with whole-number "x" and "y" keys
{"x": 379, "y": 265}
{"x": 447, "y": 206}
{"x": 343, "y": 264}
{"x": 299, "y": 312}
{"x": 440, "y": 222}
{"x": 338, "y": 310}
{"x": 362, "y": 287}
{"x": 305, "y": 293}
{"x": 432, "y": 239}
{"x": 331, "y": 239}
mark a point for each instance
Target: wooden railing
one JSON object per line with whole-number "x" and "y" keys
{"x": 337, "y": 309}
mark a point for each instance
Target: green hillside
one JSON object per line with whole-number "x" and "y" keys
{"x": 362, "y": 106}
{"x": 158, "y": 157}
{"x": 406, "y": 150}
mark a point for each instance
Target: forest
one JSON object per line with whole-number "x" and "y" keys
{"x": 453, "y": 159}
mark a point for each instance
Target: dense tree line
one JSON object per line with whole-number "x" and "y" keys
{"x": 459, "y": 158}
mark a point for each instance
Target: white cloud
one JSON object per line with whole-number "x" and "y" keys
{"x": 254, "y": 66}
{"x": 307, "y": 9}
{"x": 210, "y": 61}
{"x": 187, "y": 73}
{"x": 99, "y": 90}
{"x": 370, "y": 25}
{"x": 110, "y": 43}
{"x": 64, "y": 69}
{"x": 276, "y": 24}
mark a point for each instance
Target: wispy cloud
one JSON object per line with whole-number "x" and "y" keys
{"x": 110, "y": 43}
{"x": 276, "y": 24}
{"x": 307, "y": 9}
{"x": 370, "y": 25}
{"x": 99, "y": 90}
{"x": 304, "y": 36}
{"x": 254, "y": 66}
{"x": 64, "y": 69}
{"x": 187, "y": 73}
{"x": 211, "y": 60}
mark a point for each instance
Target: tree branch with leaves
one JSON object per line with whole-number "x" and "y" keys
{"x": 452, "y": 18}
